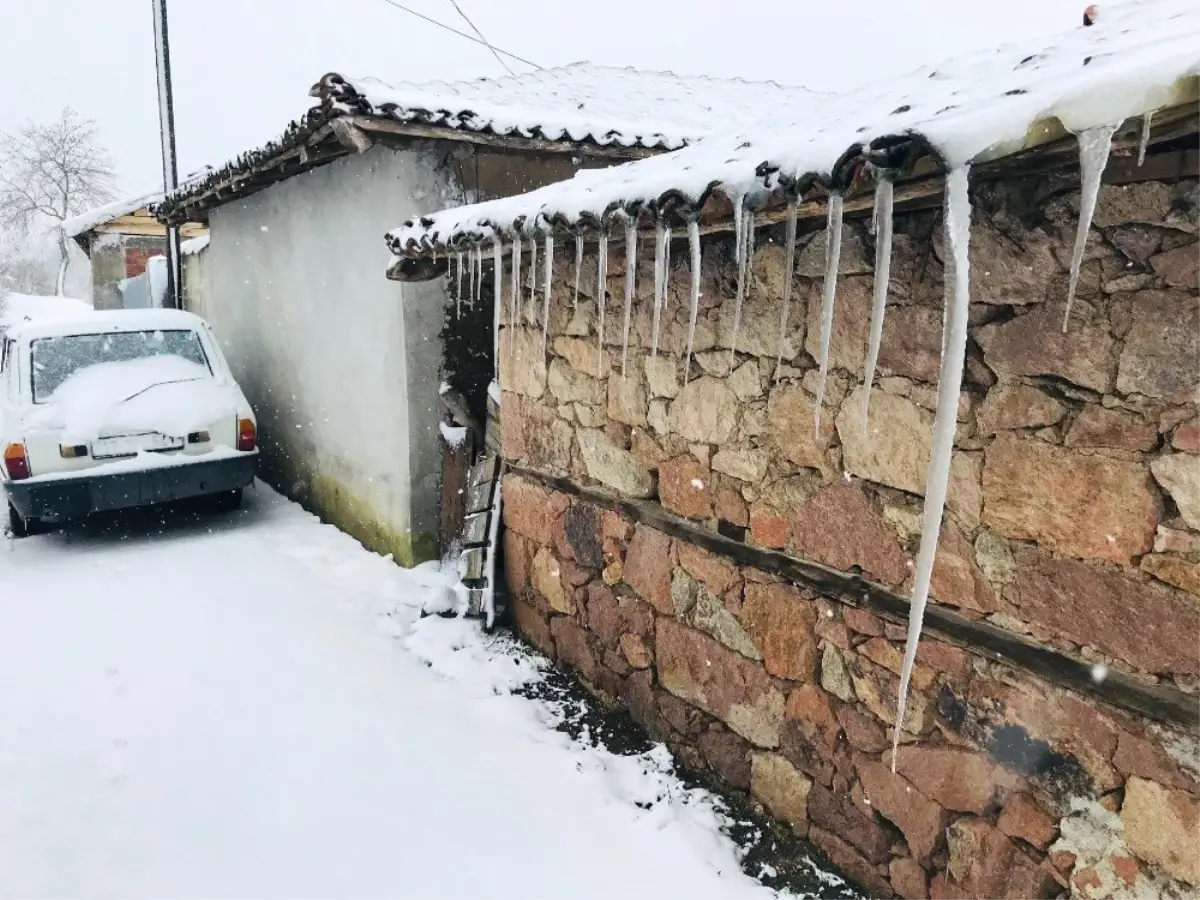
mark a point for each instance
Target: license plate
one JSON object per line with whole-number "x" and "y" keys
{"x": 133, "y": 444}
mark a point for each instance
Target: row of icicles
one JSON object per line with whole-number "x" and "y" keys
{"x": 1094, "y": 147}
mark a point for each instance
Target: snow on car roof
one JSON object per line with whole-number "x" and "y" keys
{"x": 582, "y": 102}
{"x": 983, "y": 105}
{"x": 107, "y": 321}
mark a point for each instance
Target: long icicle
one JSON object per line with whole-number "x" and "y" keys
{"x": 601, "y": 300}
{"x": 833, "y": 256}
{"x": 660, "y": 231}
{"x": 630, "y": 282}
{"x": 578, "y": 268}
{"x": 937, "y": 479}
{"x": 694, "y": 246}
{"x": 515, "y": 302}
{"x": 532, "y": 270}
{"x": 458, "y": 286}
{"x": 788, "y": 274}
{"x": 478, "y": 275}
{"x": 739, "y": 258}
{"x": 883, "y": 272}
{"x": 743, "y": 282}
{"x": 497, "y": 300}
{"x": 1147, "y": 124}
{"x": 1094, "y": 145}
{"x": 470, "y": 273}
{"x": 547, "y": 280}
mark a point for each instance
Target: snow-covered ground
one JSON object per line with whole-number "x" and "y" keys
{"x": 252, "y": 706}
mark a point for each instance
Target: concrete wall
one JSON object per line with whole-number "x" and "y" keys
{"x": 341, "y": 365}
{"x": 1072, "y": 530}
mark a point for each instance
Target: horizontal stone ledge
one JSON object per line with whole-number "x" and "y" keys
{"x": 1164, "y": 704}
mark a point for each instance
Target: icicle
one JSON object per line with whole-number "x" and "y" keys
{"x": 470, "y": 272}
{"x": 666, "y": 265}
{"x": 788, "y": 275}
{"x": 958, "y": 234}
{"x": 497, "y": 300}
{"x": 630, "y": 281}
{"x": 739, "y": 259}
{"x": 515, "y": 301}
{"x": 601, "y": 297}
{"x": 458, "y": 286}
{"x": 883, "y": 271}
{"x": 660, "y": 248}
{"x": 547, "y": 280}
{"x": 578, "y": 268}
{"x": 833, "y": 255}
{"x": 743, "y": 282}
{"x": 1094, "y": 144}
{"x": 1147, "y": 121}
{"x": 532, "y": 269}
{"x": 478, "y": 275}
{"x": 694, "y": 246}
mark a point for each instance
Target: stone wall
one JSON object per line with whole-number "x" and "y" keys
{"x": 1073, "y": 523}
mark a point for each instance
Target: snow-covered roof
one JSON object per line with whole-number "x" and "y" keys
{"x": 1138, "y": 57}
{"x": 592, "y": 106}
{"x": 581, "y": 102}
{"x": 102, "y": 215}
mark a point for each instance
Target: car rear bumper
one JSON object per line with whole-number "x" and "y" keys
{"x": 73, "y": 498}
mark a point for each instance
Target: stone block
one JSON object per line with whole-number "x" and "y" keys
{"x": 839, "y": 528}
{"x": 705, "y": 412}
{"x": 1179, "y": 474}
{"x": 1159, "y": 355}
{"x": 781, "y": 788}
{"x": 1161, "y": 827}
{"x": 1118, "y": 429}
{"x": 1084, "y": 506}
{"x": 613, "y": 466}
{"x": 1012, "y": 405}
{"x": 781, "y": 623}
{"x": 1034, "y": 344}
{"x": 895, "y": 449}
{"x": 648, "y": 568}
{"x": 725, "y": 684}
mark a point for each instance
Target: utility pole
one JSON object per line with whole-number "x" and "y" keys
{"x": 166, "y": 124}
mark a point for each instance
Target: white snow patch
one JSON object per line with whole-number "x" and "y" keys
{"x": 284, "y": 723}
{"x": 195, "y": 245}
{"x": 454, "y": 436}
{"x": 166, "y": 393}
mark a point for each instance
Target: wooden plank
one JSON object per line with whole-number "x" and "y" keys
{"x": 456, "y": 462}
{"x": 476, "y": 529}
{"x": 474, "y": 564}
{"x": 420, "y": 130}
{"x": 483, "y": 470}
{"x": 479, "y": 497}
{"x": 1160, "y": 702}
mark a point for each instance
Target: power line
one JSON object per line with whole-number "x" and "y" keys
{"x": 462, "y": 34}
{"x": 481, "y": 37}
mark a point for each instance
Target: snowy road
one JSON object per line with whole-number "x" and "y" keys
{"x": 250, "y": 706}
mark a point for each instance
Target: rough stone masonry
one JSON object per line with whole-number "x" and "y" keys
{"x": 1074, "y": 521}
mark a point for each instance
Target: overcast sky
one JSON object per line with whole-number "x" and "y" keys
{"x": 242, "y": 68}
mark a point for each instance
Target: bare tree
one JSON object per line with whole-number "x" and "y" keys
{"x": 49, "y": 173}
{"x": 24, "y": 274}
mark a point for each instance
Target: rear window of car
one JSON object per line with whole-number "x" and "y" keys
{"x": 55, "y": 359}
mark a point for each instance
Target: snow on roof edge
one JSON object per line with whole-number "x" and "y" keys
{"x": 93, "y": 218}
{"x": 980, "y": 106}
{"x": 536, "y": 105}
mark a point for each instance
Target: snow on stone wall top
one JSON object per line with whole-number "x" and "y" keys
{"x": 195, "y": 245}
{"x": 581, "y": 102}
{"x": 974, "y": 107}
{"x": 102, "y": 215}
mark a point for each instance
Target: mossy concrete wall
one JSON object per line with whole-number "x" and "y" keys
{"x": 341, "y": 365}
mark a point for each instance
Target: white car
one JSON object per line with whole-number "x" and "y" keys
{"x": 118, "y": 409}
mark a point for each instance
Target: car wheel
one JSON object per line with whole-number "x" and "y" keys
{"x": 18, "y": 526}
{"x": 227, "y": 501}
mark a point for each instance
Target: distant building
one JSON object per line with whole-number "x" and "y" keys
{"x": 119, "y": 238}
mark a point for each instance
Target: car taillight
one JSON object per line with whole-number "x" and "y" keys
{"x": 15, "y": 462}
{"x": 247, "y": 435}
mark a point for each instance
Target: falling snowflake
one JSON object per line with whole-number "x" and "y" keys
{"x": 698, "y": 484}
{"x": 1099, "y": 672}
